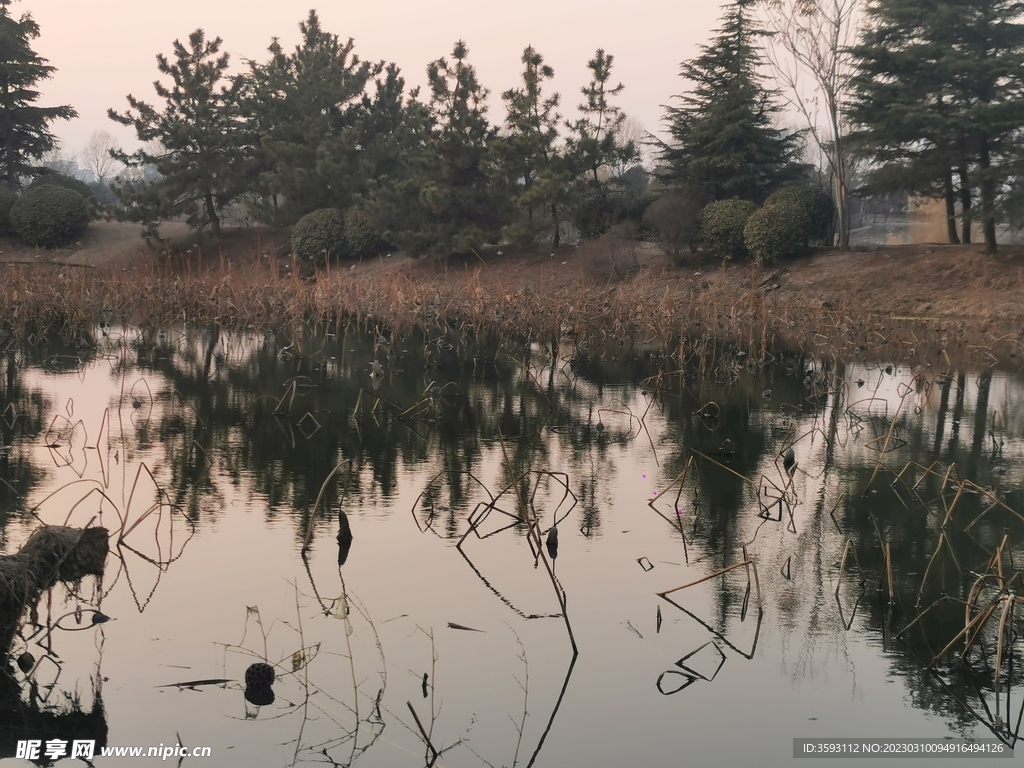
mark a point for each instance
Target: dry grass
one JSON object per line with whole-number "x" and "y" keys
{"x": 602, "y": 296}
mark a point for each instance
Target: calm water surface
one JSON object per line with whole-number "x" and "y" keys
{"x": 205, "y": 455}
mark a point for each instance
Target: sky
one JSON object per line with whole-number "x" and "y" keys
{"x": 106, "y": 49}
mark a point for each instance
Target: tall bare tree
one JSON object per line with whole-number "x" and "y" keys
{"x": 812, "y": 39}
{"x": 97, "y": 157}
{"x": 632, "y": 131}
{"x": 56, "y": 159}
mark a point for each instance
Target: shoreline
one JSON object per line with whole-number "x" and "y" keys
{"x": 934, "y": 305}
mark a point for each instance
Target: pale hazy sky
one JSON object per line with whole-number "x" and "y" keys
{"x": 105, "y": 49}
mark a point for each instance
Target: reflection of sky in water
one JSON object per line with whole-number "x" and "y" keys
{"x": 807, "y": 675}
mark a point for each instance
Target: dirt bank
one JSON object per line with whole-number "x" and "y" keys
{"x": 939, "y": 303}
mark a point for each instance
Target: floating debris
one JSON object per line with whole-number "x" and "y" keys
{"x": 344, "y": 537}
{"x": 26, "y": 662}
{"x": 260, "y": 674}
{"x": 453, "y": 625}
{"x": 198, "y": 683}
{"x": 552, "y": 543}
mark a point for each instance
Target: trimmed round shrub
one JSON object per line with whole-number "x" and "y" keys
{"x": 362, "y": 238}
{"x": 75, "y": 185}
{"x": 7, "y": 199}
{"x": 776, "y": 232}
{"x": 49, "y": 215}
{"x": 816, "y": 205}
{"x": 68, "y": 182}
{"x": 320, "y": 235}
{"x": 721, "y": 226}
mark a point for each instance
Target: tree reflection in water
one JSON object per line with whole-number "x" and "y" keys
{"x": 825, "y": 500}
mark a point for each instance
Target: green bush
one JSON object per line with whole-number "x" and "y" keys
{"x": 816, "y": 205}
{"x": 721, "y": 226}
{"x": 320, "y": 235}
{"x": 776, "y": 232}
{"x": 362, "y": 237}
{"x": 69, "y": 182}
{"x": 61, "y": 180}
{"x": 7, "y": 199}
{"x": 49, "y": 215}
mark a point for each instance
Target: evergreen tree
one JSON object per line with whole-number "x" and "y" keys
{"x": 594, "y": 146}
{"x": 985, "y": 62}
{"x": 24, "y": 127}
{"x": 944, "y": 80}
{"x": 594, "y": 138}
{"x": 388, "y": 127}
{"x": 723, "y": 139}
{"x": 534, "y": 167}
{"x": 902, "y": 103}
{"x": 301, "y": 109}
{"x": 397, "y": 160}
{"x": 194, "y": 143}
{"x": 448, "y": 201}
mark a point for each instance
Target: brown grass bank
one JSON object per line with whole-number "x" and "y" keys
{"x": 933, "y": 304}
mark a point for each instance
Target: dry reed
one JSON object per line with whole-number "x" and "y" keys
{"x": 646, "y": 306}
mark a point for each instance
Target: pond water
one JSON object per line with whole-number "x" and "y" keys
{"x": 724, "y": 596}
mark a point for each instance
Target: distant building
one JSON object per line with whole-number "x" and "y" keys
{"x": 921, "y": 220}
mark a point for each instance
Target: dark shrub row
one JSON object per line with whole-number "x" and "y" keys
{"x": 791, "y": 219}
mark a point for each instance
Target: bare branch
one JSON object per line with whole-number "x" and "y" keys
{"x": 813, "y": 38}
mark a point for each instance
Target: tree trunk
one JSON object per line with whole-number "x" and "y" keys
{"x": 843, "y": 214}
{"x": 52, "y": 554}
{"x": 842, "y": 194}
{"x": 950, "y": 204}
{"x": 965, "y": 191}
{"x": 988, "y": 197}
{"x": 556, "y": 240}
{"x": 12, "y": 173}
{"x": 211, "y": 211}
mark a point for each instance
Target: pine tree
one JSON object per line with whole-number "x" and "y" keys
{"x": 594, "y": 138}
{"x": 984, "y": 42}
{"x": 449, "y": 201}
{"x": 301, "y": 108}
{"x": 723, "y": 139}
{"x": 198, "y": 133}
{"x": 385, "y": 127}
{"x": 594, "y": 146}
{"x": 533, "y": 165}
{"x": 397, "y": 159}
{"x": 24, "y": 127}
{"x": 902, "y": 105}
{"x": 941, "y": 88}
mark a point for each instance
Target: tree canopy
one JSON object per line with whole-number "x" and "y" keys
{"x": 940, "y": 90}
{"x": 24, "y": 127}
{"x": 723, "y": 136}
{"x": 198, "y": 132}
{"x": 302, "y": 110}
